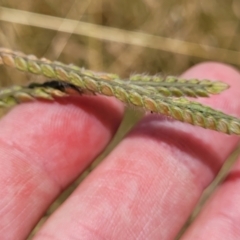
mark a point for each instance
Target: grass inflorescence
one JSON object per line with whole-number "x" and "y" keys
{"x": 152, "y": 93}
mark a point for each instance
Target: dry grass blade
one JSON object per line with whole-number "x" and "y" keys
{"x": 118, "y": 35}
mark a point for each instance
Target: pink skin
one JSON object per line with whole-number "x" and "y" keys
{"x": 145, "y": 189}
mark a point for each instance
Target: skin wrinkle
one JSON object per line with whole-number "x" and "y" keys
{"x": 121, "y": 167}
{"x": 103, "y": 210}
{"x": 91, "y": 231}
{"x": 111, "y": 171}
{"x": 154, "y": 206}
{"x": 174, "y": 138}
{"x": 14, "y": 146}
{"x": 137, "y": 206}
{"x": 145, "y": 197}
{"x": 223, "y": 222}
{"x": 23, "y": 211}
{"x": 114, "y": 189}
{"x": 132, "y": 184}
{"x": 87, "y": 105}
{"x": 146, "y": 194}
{"x": 49, "y": 169}
{"x": 166, "y": 192}
{"x": 226, "y": 217}
{"x": 128, "y": 160}
{"x": 43, "y": 157}
{"x": 113, "y": 215}
{"x": 5, "y": 154}
{"x": 24, "y": 155}
{"x": 152, "y": 234}
{"x": 129, "y": 233}
{"x": 114, "y": 228}
{"x": 110, "y": 191}
{"x": 108, "y": 207}
{"x": 21, "y": 157}
{"x": 23, "y": 187}
{"x": 223, "y": 214}
{"x": 142, "y": 233}
{"x": 123, "y": 172}
{"x": 224, "y": 203}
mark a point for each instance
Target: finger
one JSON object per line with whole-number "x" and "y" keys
{"x": 44, "y": 147}
{"x": 148, "y": 186}
{"x": 220, "y": 218}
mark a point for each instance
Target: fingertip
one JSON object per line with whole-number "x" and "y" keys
{"x": 213, "y": 71}
{"x": 44, "y": 146}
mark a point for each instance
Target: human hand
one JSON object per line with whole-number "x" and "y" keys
{"x": 145, "y": 189}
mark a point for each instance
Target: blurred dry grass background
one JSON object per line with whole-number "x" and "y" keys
{"x": 122, "y": 37}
